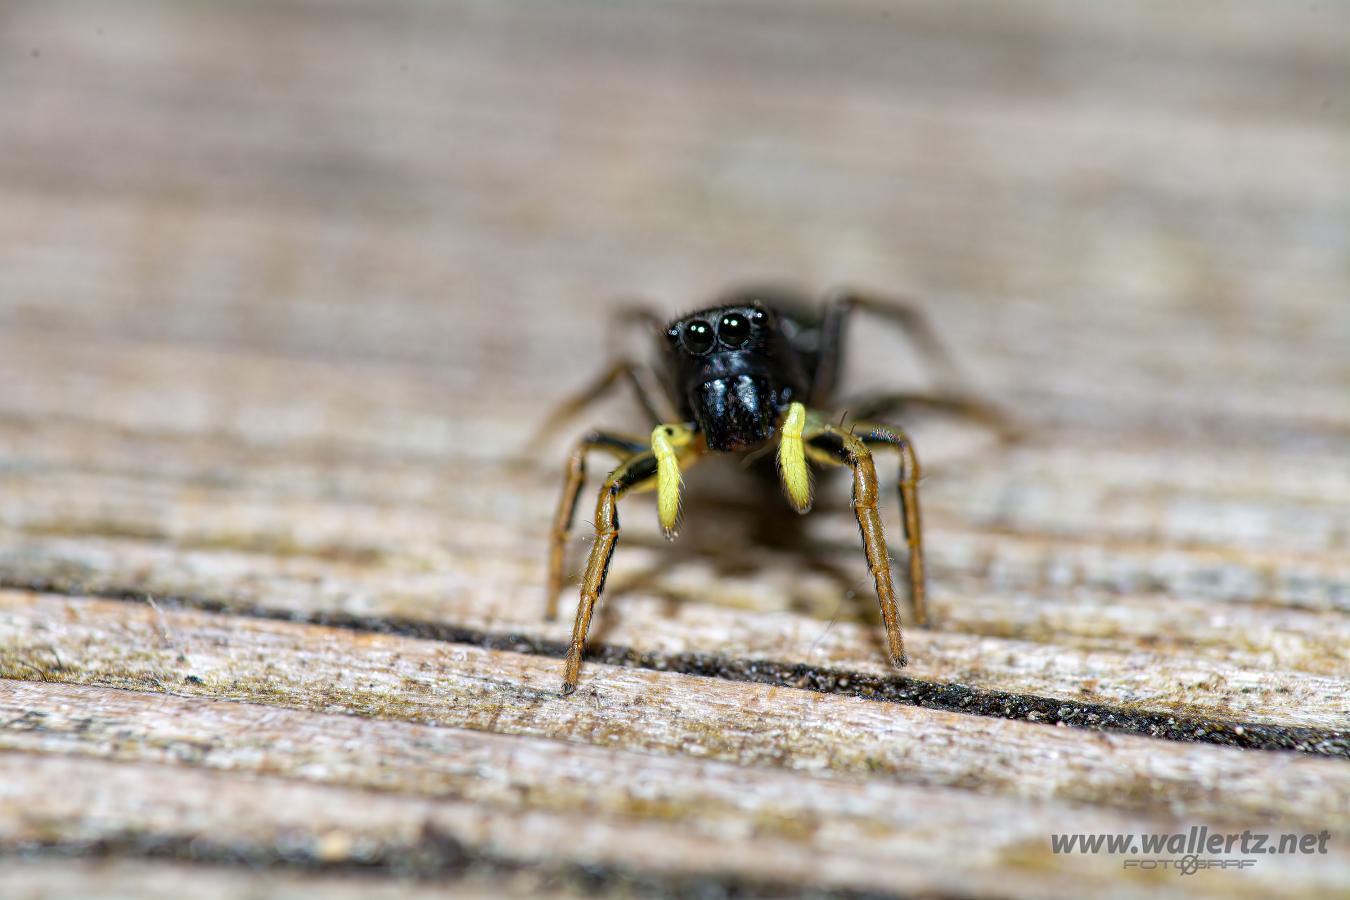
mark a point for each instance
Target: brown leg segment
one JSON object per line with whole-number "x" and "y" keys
{"x": 635, "y": 472}
{"x": 911, "y": 320}
{"x": 633, "y": 316}
{"x": 575, "y": 475}
{"x": 968, "y": 407}
{"x": 834, "y": 446}
{"x": 620, "y": 371}
{"x": 874, "y": 435}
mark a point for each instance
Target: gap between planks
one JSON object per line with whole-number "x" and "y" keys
{"x": 1204, "y": 700}
{"x": 192, "y": 653}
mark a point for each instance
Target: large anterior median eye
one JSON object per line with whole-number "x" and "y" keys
{"x": 734, "y": 329}
{"x": 698, "y": 336}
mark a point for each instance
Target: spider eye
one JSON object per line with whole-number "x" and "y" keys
{"x": 734, "y": 329}
{"x": 698, "y": 337}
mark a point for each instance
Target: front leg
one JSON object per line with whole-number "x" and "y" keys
{"x": 878, "y": 435}
{"x": 674, "y": 447}
{"x": 833, "y": 446}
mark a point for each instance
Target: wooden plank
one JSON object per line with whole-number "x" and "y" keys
{"x": 1134, "y": 669}
{"x": 510, "y": 800}
{"x": 140, "y": 879}
{"x": 286, "y": 287}
{"x": 1098, "y": 652}
{"x": 1132, "y": 682}
{"x": 300, "y": 666}
{"x": 261, "y": 819}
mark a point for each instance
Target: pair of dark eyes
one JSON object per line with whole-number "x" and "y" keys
{"x": 733, "y": 330}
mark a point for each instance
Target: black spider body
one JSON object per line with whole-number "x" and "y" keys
{"x": 755, "y": 369}
{"x": 734, "y": 368}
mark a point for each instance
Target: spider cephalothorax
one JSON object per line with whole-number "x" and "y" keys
{"x": 758, "y": 367}
{"x": 737, "y": 372}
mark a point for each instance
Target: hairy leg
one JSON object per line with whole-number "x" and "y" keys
{"x": 622, "y": 448}
{"x": 830, "y": 445}
{"x": 622, "y": 371}
{"x": 968, "y": 407}
{"x": 879, "y": 435}
{"x": 904, "y": 313}
{"x": 642, "y": 471}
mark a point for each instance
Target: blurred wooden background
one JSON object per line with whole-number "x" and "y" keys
{"x": 284, "y": 288}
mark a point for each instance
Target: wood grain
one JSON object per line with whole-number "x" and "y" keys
{"x": 142, "y": 880}
{"x": 581, "y": 805}
{"x": 286, "y": 289}
{"x": 374, "y": 675}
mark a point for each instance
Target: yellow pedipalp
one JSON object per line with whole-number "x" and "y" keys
{"x": 667, "y": 477}
{"x": 792, "y": 466}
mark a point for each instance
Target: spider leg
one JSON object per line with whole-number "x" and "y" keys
{"x": 904, "y": 313}
{"x": 622, "y": 370}
{"x": 874, "y": 434}
{"x": 830, "y": 445}
{"x": 676, "y": 447}
{"x": 623, "y": 448}
{"x": 634, "y": 315}
{"x": 966, "y": 406}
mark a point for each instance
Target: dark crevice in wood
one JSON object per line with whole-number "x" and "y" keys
{"x": 434, "y": 856}
{"x": 897, "y": 688}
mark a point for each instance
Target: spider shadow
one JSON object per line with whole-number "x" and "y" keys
{"x": 737, "y": 523}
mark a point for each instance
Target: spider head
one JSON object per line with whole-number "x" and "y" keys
{"x": 725, "y": 363}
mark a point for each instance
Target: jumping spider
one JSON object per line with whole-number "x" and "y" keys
{"x": 756, "y": 367}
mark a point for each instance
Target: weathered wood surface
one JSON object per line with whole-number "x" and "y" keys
{"x": 286, "y": 288}
{"x": 141, "y": 880}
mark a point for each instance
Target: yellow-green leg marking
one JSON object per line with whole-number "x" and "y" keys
{"x": 644, "y": 471}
